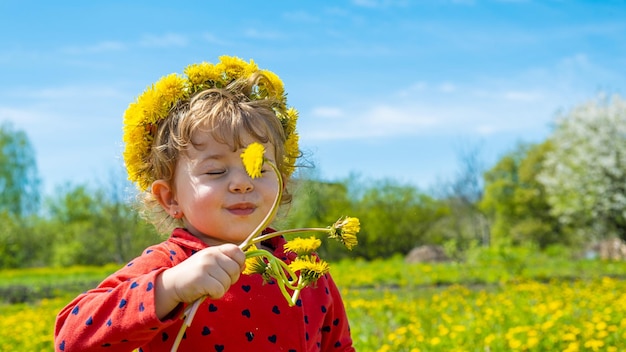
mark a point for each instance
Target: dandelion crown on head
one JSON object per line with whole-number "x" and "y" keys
{"x": 153, "y": 106}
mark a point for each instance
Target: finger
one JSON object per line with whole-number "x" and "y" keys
{"x": 235, "y": 253}
{"x": 215, "y": 287}
{"x": 231, "y": 267}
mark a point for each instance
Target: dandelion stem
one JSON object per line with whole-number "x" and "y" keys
{"x": 270, "y": 215}
{"x": 267, "y": 236}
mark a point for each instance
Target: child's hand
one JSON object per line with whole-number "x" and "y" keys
{"x": 209, "y": 272}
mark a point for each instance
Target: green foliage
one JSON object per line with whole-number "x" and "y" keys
{"x": 20, "y": 245}
{"x": 81, "y": 226}
{"x": 394, "y": 218}
{"x": 19, "y": 183}
{"x": 516, "y": 203}
{"x": 90, "y": 228}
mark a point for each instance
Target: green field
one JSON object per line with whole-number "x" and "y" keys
{"x": 538, "y": 304}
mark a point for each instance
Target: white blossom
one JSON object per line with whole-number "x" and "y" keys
{"x": 585, "y": 173}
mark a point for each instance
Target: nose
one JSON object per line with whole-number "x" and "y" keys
{"x": 241, "y": 182}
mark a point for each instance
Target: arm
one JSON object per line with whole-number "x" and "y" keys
{"x": 133, "y": 305}
{"x": 120, "y": 310}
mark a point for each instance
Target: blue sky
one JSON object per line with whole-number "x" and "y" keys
{"x": 385, "y": 88}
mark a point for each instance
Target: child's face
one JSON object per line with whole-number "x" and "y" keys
{"x": 218, "y": 200}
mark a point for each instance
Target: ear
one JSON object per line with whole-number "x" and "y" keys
{"x": 164, "y": 194}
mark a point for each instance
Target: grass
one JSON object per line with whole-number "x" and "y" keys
{"x": 535, "y": 303}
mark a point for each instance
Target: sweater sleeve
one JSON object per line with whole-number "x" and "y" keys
{"x": 120, "y": 312}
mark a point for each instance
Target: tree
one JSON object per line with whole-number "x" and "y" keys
{"x": 466, "y": 223}
{"x": 585, "y": 174}
{"x": 318, "y": 204}
{"x": 95, "y": 227}
{"x": 19, "y": 183}
{"x": 516, "y": 202}
{"x": 395, "y": 218}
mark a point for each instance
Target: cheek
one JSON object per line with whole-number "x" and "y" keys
{"x": 268, "y": 186}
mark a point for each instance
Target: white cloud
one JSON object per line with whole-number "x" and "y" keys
{"x": 15, "y": 114}
{"x": 447, "y": 87}
{"x": 380, "y": 3}
{"x": 263, "y": 34}
{"x": 528, "y": 96}
{"x": 327, "y": 112}
{"x": 70, "y": 92}
{"x": 101, "y": 47}
{"x": 164, "y": 41}
{"x": 367, "y": 122}
{"x": 301, "y": 17}
{"x": 215, "y": 39}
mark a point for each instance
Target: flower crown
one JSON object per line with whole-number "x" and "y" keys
{"x": 142, "y": 117}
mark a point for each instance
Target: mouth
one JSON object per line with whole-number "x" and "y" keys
{"x": 241, "y": 209}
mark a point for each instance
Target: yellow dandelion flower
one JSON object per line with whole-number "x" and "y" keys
{"x": 149, "y": 104}
{"x": 255, "y": 265}
{"x": 303, "y": 246}
{"x": 310, "y": 268}
{"x": 252, "y": 158}
{"x": 202, "y": 73}
{"x": 275, "y": 86}
{"x": 234, "y": 67}
{"x": 345, "y": 230}
{"x": 291, "y": 119}
{"x": 292, "y": 152}
{"x": 171, "y": 88}
{"x": 594, "y": 345}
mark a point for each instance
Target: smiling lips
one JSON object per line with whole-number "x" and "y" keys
{"x": 242, "y": 209}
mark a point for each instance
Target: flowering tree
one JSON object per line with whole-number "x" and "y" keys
{"x": 585, "y": 174}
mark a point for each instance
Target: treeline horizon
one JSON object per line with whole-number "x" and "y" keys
{"x": 558, "y": 195}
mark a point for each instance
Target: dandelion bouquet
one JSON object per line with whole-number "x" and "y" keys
{"x": 291, "y": 278}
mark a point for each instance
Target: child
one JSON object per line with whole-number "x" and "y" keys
{"x": 184, "y": 137}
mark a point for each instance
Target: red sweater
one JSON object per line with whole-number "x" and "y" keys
{"x": 119, "y": 315}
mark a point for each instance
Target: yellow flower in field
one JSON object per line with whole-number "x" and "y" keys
{"x": 547, "y": 325}
{"x": 568, "y": 337}
{"x": 435, "y": 341}
{"x": 515, "y": 343}
{"x": 489, "y": 339}
{"x": 384, "y": 348}
{"x": 345, "y": 230}
{"x": 303, "y": 246}
{"x": 252, "y": 158}
{"x": 572, "y": 347}
{"x": 594, "y": 344}
{"x": 532, "y": 341}
{"x": 443, "y": 330}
